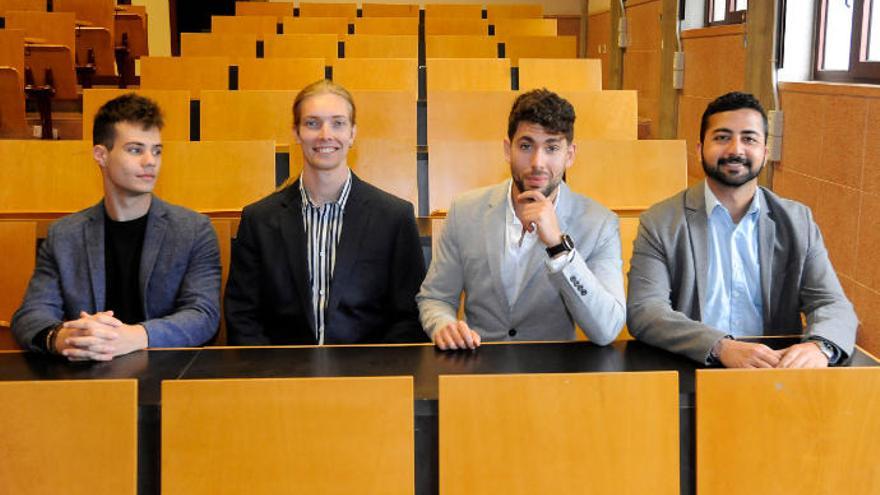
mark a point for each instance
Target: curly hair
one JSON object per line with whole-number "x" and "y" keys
{"x": 729, "y": 102}
{"x": 129, "y": 107}
{"x": 545, "y": 108}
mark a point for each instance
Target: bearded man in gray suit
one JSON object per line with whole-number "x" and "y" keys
{"x": 531, "y": 257}
{"x": 728, "y": 259}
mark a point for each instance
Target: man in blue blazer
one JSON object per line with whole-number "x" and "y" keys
{"x": 327, "y": 259}
{"x": 130, "y": 272}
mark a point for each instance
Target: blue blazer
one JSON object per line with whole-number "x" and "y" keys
{"x": 179, "y": 276}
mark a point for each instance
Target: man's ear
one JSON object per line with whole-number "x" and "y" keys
{"x": 100, "y": 153}
{"x": 353, "y": 134}
{"x": 571, "y": 153}
{"x": 507, "y": 149}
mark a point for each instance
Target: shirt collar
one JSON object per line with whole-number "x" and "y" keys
{"x": 341, "y": 200}
{"x": 511, "y": 212}
{"x": 712, "y": 201}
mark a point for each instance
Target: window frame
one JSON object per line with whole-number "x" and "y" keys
{"x": 731, "y": 16}
{"x": 860, "y": 71}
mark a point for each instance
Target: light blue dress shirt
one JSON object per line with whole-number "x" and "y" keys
{"x": 733, "y": 296}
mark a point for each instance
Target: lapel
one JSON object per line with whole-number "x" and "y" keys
{"x": 154, "y": 237}
{"x": 766, "y": 243}
{"x": 493, "y": 228}
{"x": 697, "y": 224}
{"x": 93, "y": 239}
{"x": 356, "y": 218}
{"x": 294, "y": 240}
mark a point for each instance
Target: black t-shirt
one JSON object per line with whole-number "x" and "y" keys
{"x": 123, "y": 243}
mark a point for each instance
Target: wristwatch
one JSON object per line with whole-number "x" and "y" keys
{"x": 565, "y": 246}
{"x": 825, "y": 347}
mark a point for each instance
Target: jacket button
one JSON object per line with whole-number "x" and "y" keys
{"x": 512, "y": 332}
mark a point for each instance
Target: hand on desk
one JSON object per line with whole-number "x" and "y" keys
{"x": 736, "y": 354}
{"x": 98, "y": 337}
{"x": 456, "y": 335}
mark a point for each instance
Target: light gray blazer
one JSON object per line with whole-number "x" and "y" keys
{"x": 179, "y": 276}
{"x": 667, "y": 277}
{"x": 588, "y": 291}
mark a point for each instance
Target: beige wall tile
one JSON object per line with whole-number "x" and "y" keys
{"x": 837, "y": 215}
{"x": 867, "y": 266}
{"x": 802, "y": 134}
{"x": 843, "y": 141}
{"x": 871, "y": 167}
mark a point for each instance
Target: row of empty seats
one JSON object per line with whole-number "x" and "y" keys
{"x": 350, "y": 10}
{"x": 528, "y": 433}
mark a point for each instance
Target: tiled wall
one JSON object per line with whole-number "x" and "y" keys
{"x": 831, "y": 152}
{"x": 714, "y": 64}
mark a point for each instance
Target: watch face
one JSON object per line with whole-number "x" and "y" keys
{"x": 567, "y": 242}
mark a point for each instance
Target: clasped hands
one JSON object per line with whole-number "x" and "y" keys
{"x": 737, "y": 354}
{"x": 98, "y": 337}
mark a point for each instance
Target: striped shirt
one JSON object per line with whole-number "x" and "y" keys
{"x": 323, "y": 226}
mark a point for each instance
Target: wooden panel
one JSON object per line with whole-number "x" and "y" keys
{"x": 454, "y": 25}
{"x": 7, "y": 5}
{"x": 525, "y": 27}
{"x": 572, "y": 74}
{"x": 97, "y": 13}
{"x": 18, "y": 243}
{"x": 559, "y": 433}
{"x": 788, "y": 431}
{"x": 377, "y": 73}
{"x": 501, "y": 11}
{"x": 216, "y": 175}
{"x": 133, "y": 27}
{"x": 540, "y": 47}
{"x": 97, "y": 42}
{"x": 279, "y": 73}
{"x": 461, "y": 46}
{"x": 381, "y": 46}
{"x": 233, "y": 45}
{"x": 248, "y": 115}
{"x": 629, "y": 229}
{"x": 477, "y": 74}
{"x": 12, "y": 50}
{"x": 223, "y": 229}
{"x": 387, "y": 25}
{"x": 192, "y": 73}
{"x": 54, "y": 28}
{"x": 12, "y": 115}
{"x": 277, "y": 9}
{"x": 456, "y": 166}
{"x": 45, "y": 173}
{"x": 390, "y": 10}
{"x": 260, "y": 25}
{"x": 85, "y": 430}
{"x": 629, "y": 175}
{"x": 472, "y": 11}
{"x": 307, "y": 435}
{"x": 462, "y": 115}
{"x": 303, "y": 46}
{"x": 315, "y": 25}
{"x": 58, "y": 59}
{"x": 604, "y": 114}
{"x": 174, "y": 105}
{"x": 317, "y": 9}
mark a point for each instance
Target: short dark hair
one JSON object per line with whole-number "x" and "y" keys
{"x": 129, "y": 107}
{"x": 545, "y": 108}
{"x": 729, "y": 102}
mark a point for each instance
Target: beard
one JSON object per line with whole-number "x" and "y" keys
{"x": 721, "y": 177}
{"x": 547, "y": 190}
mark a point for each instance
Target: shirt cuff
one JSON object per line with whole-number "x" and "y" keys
{"x": 555, "y": 265}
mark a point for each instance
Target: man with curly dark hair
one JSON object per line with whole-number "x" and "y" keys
{"x": 532, "y": 257}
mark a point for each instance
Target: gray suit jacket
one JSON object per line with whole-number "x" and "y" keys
{"x": 179, "y": 276}
{"x": 667, "y": 277}
{"x": 589, "y": 290}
